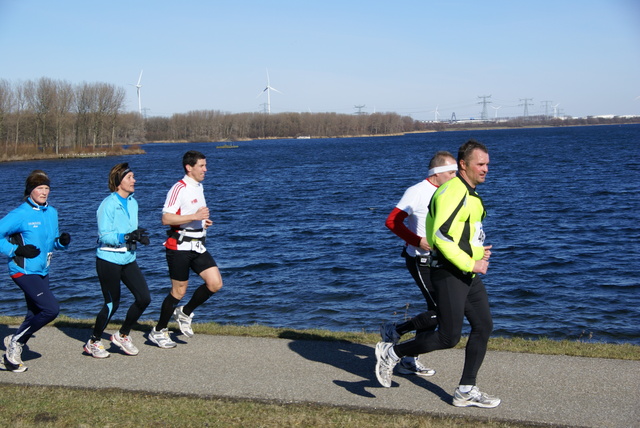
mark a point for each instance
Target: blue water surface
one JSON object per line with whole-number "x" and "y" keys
{"x": 300, "y": 239}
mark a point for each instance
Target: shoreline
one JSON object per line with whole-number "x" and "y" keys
{"x": 430, "y": 131}
{"x": 120, "y": 150}
{"x": 540, "y": 345}
{"x": 71, "y": 155}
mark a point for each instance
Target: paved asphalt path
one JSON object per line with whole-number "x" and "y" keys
{"x": 556, "y": 390}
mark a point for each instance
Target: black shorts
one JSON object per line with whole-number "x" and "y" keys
{"x": 180, "y": 262}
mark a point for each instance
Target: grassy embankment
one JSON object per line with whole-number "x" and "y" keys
{"x": 69, "y": 407}
{"x": 31, "y": 153}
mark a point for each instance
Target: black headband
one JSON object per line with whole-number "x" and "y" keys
{"x": 122, "y": 176}
{"x": 40, "y": 180}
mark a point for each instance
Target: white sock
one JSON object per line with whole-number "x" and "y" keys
{"x": 392, "y": 354}
{"x": 465, "y": 389}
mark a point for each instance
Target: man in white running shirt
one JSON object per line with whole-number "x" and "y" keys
{"x": 413, "y": 208}
{"x": 185, "y": 211}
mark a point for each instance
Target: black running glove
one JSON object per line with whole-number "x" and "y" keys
{"x": 64, "y": 239}
{"x": 27, "y": 251}
{"x": 144, "y": 238}
{"x": 139, "y": 235}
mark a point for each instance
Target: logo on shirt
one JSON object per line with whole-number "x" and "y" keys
{"x": 35, "y": 224}
{"x": 195, "y": 201}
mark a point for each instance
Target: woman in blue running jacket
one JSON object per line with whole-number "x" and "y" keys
{"x": 118, "y": 236}
{"x": 28, "y": 236}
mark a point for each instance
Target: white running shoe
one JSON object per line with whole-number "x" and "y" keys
{"x": 12, "y": 358}
{"x": 474, "y": 398}
{"x": 388, "y": 332}
{"x": 184, "y": 321}
{"x": 384, "y": 363}
{"x": 161, "y": 338}
{"x": 12, "y": 367}
{"x": 14, "y": 350}
{"x": 96, "y": 349}
{"x": 124, "y": 342}
{"x": 411, "y": 366}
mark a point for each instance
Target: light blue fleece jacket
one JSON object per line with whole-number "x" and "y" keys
{"x": 113, "y": 223}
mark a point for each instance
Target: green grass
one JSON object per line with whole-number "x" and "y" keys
{"x": 26, "y": 406}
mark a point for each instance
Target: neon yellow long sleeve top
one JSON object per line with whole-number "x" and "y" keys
{"x": 454, "y": 224}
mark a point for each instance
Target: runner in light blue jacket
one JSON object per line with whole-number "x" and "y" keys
{"x": 28, "y": 236}
{"x": 118, "y": 235}
{"x": 117, "y": 216}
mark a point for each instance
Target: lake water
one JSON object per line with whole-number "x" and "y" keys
{"x": 300, "y": 239}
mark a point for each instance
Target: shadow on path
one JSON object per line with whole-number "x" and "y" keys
{"x": 353, "y": 358}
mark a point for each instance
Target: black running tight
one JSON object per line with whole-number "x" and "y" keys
{"x": 110, "y": 275}
{"x": 458, "y": 296}
{"x": 424, "y": 321}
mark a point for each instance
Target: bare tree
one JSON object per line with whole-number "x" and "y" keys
{"x": 30, "y": 96}
{"x": 108, "y": 101}
{"x": 20, "y": 107}
{"x": 6, "y": 103}
{"x": 86, "y": 99}
{"x": 63, "y": 105}
{"x": 41, "y": 98}
{"x": 116, "y": 106}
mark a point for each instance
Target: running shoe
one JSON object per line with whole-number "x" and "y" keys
{"x": 124, "y": 342}
{"x": 388, "y": 332}
{"x": 14, "y": 350}
{"x": 12, "y": 358}
{"x": 184, "y": 321}
{"x": 13, "y": 367}
{"x": 411, "y": 366}
{"x": 474, "y": 398}
{"x": 96, "y": 349}
{"x": 384, "y": 363}
{"x": 161, "y": 338}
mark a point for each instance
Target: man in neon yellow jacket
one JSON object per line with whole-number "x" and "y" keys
{"x": 454, "y": 224}
{"x": 456, "y": 236}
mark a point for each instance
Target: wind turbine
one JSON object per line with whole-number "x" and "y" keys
{"x": 555, "y": 110}
{"x": 268, "y": 90}
{"x": 436, "y": 113}
{"x": 138, "y": 86}
{"x": 496, "y": 109}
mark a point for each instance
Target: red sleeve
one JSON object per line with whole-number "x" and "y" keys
{"x": 395, "y": 223}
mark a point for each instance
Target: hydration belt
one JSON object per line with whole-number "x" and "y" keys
{"x": 180, "y": 235}
{"x": 421, "y": 259}
{"x": 117, "y": 248}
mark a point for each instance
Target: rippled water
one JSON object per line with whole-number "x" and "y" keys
{"x": 300, "y": 238}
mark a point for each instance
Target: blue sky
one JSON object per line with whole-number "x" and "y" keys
{"x": 409, "y": 57}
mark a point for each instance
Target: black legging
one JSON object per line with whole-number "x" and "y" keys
{"x": 422, "y": 276}
{"x": 110, "y": 275}
{"x": 458, "y": 296}
{"x": 424, "y": 321}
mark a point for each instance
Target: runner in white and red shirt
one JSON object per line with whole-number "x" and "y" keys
{"x": 414, "y": 207}
{"x": 185, "y": 211}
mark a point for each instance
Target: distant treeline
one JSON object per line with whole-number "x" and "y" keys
{"x": 210, "y": 125}
{"x": 55, "y": 116}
